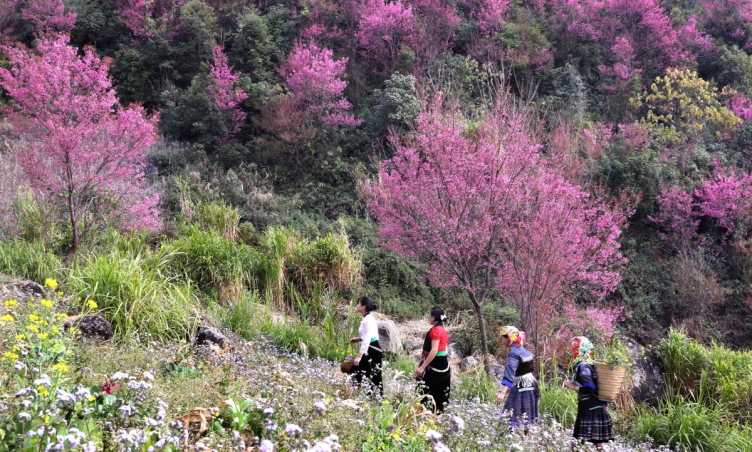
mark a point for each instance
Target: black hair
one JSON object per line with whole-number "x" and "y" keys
{"x": 438, "y": 314}
{"x": 368, "y": 303}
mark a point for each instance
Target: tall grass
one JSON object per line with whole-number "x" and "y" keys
{"x": 690, "y": 426}
{"x": 558, "y": 401}
{"x": 136, "y": 293}
{"x": 31, "y": 261}
{"x": 210, "y": 260}
{"x": 724, "y": 375}
{"x": 219, "y": 217}
{"x": 476, "y": 383}
{"x": 250, "y": 318}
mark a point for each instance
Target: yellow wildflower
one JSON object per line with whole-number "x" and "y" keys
{"x": 33, "y": 318}
{"x": 46, "y": 303}
{"x": 42, "y": 336}
{"x": 55, "y": 330}
{"x": 61, "y": 316}
{"x": 61, "y": 367}
{"x": 33, "y": 328}
{"x": 91, "y": 304}
{"x": 10, "y": 303}
{"x": 51, "y": 283}
{"x": 43, "y": 391}
{"x": 21, "y": 337}
{"x": 7, "y": 318}
{"x": 46, "y": 418}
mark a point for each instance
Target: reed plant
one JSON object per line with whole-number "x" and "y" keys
{"x": 558, "y": 401}
{"x": 28, "y": 260}
{"x": 476, "y": 383}
{"x": 136, "y": 293}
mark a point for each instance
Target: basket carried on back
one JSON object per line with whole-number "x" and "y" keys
{"x": 610, "y": 379}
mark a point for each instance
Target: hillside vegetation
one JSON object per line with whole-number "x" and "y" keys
{"x": 568, "y": 167}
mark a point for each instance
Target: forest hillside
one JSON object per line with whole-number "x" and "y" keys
{"x": 204, "y": 188}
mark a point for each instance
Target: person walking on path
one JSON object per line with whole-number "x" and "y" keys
{"x": 524, "y": 395}
{"x": 593, "y": 422}
{"x": 433, "y": 374}
{"x": 367, "y": 365}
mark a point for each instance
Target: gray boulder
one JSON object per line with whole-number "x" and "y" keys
{"x": 389, "y": 337}
{"x": 454, "y": 351}
{"x": 648, "y": 386}
{"x": 497, "y": 371}
{"x": 34, "y": 288}
{"x": 414, "y": 343}
{"x": 91, "y": 326}
{"x": 468, "y": 363}
{"x": 211, "y": 336}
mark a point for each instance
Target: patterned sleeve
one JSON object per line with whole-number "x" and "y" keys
{"x": 584, "y": 376}
{"x": 513, "y": 362}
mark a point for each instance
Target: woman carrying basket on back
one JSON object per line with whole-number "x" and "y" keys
{"x": 367, "y": 365}
{"x": 593, "y": 422}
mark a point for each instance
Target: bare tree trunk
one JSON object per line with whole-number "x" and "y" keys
{"x": 483, "y": 336}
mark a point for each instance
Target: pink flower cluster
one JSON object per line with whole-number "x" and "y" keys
{"x": 223, "y": 91}
{"x": 315, "y": 82}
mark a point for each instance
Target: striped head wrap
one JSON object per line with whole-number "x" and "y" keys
{"x": 581, "y": 347}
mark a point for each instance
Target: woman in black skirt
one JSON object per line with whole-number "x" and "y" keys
{"x": 367, "y": 365}
{"x": 523, "y": 403}
{"x": 593, "y": 422}
{"x": 433, "y": 374}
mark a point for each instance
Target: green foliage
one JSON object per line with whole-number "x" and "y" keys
{"x": 252, "y": 50}
{"x": 37, "y": 221}
{"x": 31, "y": 261}
{"x": 724, "y": 375}
{"x": 558, "y": 401}
{"x": 735, "y": 69}
{"x": 191, "y": 115}
{"x": 135, "y": 293}
{"x": 476, "y": 383}
{"x": 691, "y": 426}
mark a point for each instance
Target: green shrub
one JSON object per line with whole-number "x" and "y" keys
{"x": 684, "y": 361}
{"x": 31, "y": 261}
{"x": 136, "y": 294}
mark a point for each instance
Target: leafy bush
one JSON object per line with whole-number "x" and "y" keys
{"x": 32, "y": 261}
{"x": 135, "y": 293}
{"x": 476, "y": 383}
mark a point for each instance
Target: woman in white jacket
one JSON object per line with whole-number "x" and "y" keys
{"x": 367, "y": 365}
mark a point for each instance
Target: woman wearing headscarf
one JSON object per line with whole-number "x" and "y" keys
{"x": 433, "y": 374}
{"x": 593, "y": 422}
{"x": 367, "y": 365}
{"x": 524, "y": 396}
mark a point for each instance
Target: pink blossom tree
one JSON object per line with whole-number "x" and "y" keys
{"x": 84, "y": 149}
{"x": 648, "y": 29}
{"x": 437, "y": 22}
{"x": 729, "y": 20}
{"x": 558, "y": 235}
{"x": 223, "y": 91}
{"x": 676, "y": 216}
{"x": 143, "y": 17}
{"x": 315, "y": 82}
{"x": 726, "y": 197}
{"x": 383, "y": 29}
{"x": 484, "y": 211}
{"x": 444, "y": 197}
{"x": 45, "y": 16}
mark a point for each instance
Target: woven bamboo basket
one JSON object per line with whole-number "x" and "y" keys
{"x": 610, "y": 379}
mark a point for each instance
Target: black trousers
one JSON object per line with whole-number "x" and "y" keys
{"x": 370, "y": 369}
{"x": 436, "y": 384}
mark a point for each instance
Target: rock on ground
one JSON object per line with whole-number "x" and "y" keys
{"x": 34, "y": 288}
{"x": 453, "y": 350}
{"x": 647, "y": 380}
{"x": 211, "y": 336}
{"x": 91, "y": 326}
{"x": 468, "y": 363}
{"x": 389, "y": 337}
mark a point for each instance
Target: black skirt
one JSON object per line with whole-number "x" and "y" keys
{"x": 370, "y": 369}
{"x": 593, "y": 423}
{"x": 436, "y": 384}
